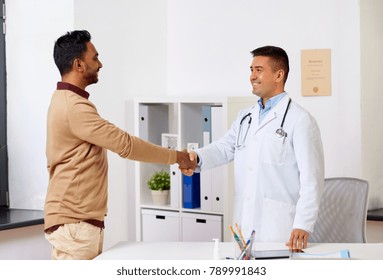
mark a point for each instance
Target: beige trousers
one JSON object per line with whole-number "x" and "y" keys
{"x": 77, "y": 241}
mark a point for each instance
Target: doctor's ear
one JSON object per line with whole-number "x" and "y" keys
{"x": 280, "y": 75}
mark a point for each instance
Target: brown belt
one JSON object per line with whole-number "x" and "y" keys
{"x": 96, "y": 223}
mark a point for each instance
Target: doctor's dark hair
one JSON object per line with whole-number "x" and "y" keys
{"x": 279, "y": 58}
{"x": 68, "y": 47}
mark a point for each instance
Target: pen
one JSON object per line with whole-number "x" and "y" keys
{"x": 250, "y": 246}
{"x": 241, "y": 247}
{"x": 240, "y": 234}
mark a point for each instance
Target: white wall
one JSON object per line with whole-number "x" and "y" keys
{"x": 130, "y": 37}
{"x": 31, "y": 79}
{"x": 177, "y": 48}
{"x": 209, "y": 44}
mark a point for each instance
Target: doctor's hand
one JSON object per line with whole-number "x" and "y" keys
{"x": 186, "y": 163}
{"x": 298, "y": 239}
{"x": 189, "y": 171}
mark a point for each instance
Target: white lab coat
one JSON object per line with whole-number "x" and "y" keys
{"x": 278, "y": 182}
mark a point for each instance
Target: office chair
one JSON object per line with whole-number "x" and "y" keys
{"x": 342, "y": 212}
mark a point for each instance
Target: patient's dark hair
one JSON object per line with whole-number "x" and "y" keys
{"x": 68, "y": 47}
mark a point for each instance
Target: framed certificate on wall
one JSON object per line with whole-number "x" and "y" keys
{"x": 316, "y": 72}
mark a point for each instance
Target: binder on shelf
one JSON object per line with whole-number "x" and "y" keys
{"x": 143, "y": 122}
{"x": 206, "y": 175}
{"x": 191, "y": 191}
{"x": 206, "y": 124}
{"x": 206, "y": 191}
{"x": 217, "y": 189}
{"x": 212, "y": 180}
{"x": 217, "y": 131}
{"x": 174, "y": 185}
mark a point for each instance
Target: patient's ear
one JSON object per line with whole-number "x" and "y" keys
{"x": 78, "y": 65}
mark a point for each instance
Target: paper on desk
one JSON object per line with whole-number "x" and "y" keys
{"x": 342, "y": 254}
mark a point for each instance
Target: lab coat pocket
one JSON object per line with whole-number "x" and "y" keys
{"x": 274, "y": 149}
{"x": 277, "y": 221}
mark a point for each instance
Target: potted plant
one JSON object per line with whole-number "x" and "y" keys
{"x": 159, "y": 184}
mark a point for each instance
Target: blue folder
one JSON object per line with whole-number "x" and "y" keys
{"x": 191, "y": 191}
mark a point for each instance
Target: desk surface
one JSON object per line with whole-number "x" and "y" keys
{"x": 204, "y": 250}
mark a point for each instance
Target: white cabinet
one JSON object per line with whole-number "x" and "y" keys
{"x": 201, "y": 227}
{"x": 179, "y": 124}
{"x": 160, "y": 225}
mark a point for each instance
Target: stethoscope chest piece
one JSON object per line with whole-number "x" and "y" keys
{"x": 280, "y": 132}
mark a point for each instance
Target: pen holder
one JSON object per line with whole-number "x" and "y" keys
{"x": 243, "y": 254}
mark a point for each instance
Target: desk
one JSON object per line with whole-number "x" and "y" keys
{"x": 204, "y": 250}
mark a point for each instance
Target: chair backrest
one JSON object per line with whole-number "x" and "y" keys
{"x": 342, "y": 212}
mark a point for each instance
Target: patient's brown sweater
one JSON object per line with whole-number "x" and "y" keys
{"x": 77, "y": 140}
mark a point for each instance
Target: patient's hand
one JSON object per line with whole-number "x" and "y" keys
{"x": 190, "y": 171}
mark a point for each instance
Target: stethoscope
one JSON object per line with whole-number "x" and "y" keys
{"x": 241, "y": 145}
{"x": 280, "y": 132}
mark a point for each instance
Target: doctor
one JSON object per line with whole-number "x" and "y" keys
{"x": 278, "y": 158}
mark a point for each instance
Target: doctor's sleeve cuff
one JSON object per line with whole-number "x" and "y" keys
{"x": 199, "y": 163}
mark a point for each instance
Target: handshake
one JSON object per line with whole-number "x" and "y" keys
{"x": 187, "y": 162}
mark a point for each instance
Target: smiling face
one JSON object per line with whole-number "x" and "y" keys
{"x": 266, "y": 81}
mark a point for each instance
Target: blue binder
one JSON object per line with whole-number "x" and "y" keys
{"x": 206, "y": 121}
{"x": 191, "y": 191}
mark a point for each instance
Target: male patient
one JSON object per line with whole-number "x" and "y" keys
{"x": 77, "y": 143}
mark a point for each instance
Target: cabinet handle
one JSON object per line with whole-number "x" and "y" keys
{"x": 201, "y": 221}
{"x": 160, "y": 217}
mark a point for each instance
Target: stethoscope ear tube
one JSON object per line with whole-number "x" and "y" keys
{"x": 244, "y": 118}
{"x": 284, "y": 116}
{"x": 248, "y": 115}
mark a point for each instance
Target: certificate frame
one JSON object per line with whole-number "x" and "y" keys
{"x": 316, "y": 72}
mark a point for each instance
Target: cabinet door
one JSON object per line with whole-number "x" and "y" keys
{"x": 200, "y": 227}
{"x": 159, "y": 225}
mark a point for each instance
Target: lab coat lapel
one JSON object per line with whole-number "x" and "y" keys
{"x": 274, "y": 113}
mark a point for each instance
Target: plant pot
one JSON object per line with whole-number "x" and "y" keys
{"x": 160, "y": 197}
